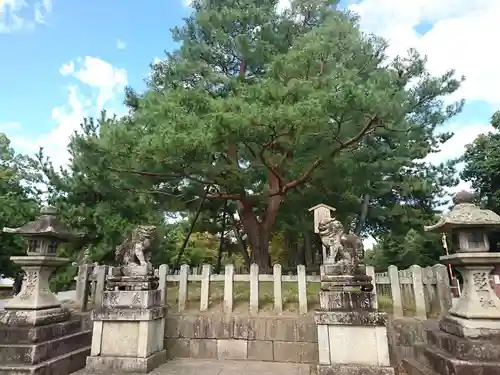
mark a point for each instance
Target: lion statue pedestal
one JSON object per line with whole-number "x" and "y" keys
{"x": 352, "y": 335}
{"x": 129, "y": 325}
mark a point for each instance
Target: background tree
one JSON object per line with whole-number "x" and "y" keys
{"x": 103, "y": 207}
{"x": 482, "y": 168}
{"x": 256, "y": 104}
{"x": 18, "y": 201}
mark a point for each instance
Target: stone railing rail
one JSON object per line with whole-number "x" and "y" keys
{"x": 422, "y": 288}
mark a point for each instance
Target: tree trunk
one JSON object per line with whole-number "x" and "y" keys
{"x": 259, "y": 233}
{"x": 362, "y": 215}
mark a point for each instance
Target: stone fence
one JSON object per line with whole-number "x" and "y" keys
{"x": 415, "y": 291}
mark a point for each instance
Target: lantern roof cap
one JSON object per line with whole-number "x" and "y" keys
{"x": 45, "y": 225}
{"x": 465, "y": 213}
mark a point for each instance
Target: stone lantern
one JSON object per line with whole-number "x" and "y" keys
{"x": 467, "y": 340}
{"x": 35, "y": 303}
{"x": 468, "y": 226}
{"x": 37, "y": 334}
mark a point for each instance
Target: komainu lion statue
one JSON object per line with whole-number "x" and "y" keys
{"x": 134, "y": 254}
{"x": 342, "y": 248}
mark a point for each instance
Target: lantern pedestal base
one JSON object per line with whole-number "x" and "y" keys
{"x": 21, "y": 318}
{"x": 57, "y": 348}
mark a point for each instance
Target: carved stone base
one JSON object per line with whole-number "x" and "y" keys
{"x": 332, "y": 300}
{"x": 34, "y": 317}
{"x": 128, "y": 332}
{"x": 471, "y": 328}
{"x": 478, "y": 300}
{"x": 125, "y": 365}
{"x": 352, "y": 340}
{"x": 354, "y": 370}
{"x": 35, "y": 292}
{"x": 135, "y": 283}
{"x": 458, "y": 350}
{"x": 59, "y": 348}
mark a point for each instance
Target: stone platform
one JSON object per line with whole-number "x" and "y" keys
{"x": 215, "y": 367}
{"x": 443, "y": 353}
{"x": 53, "y": 349}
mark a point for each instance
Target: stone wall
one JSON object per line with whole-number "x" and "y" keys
{"x": 271, "y": 338}
{"x": 278, "y": 339}
{"x": 403, "y": 334}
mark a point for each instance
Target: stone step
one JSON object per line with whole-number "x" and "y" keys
{"x": 32, "y": 354}
{"x": 62, "y": 365}
{"x": 413, "y": 367}
{"x": 443, "y": 364}
{"x": 31, "y": 335}
{"x": 463, "y": 348}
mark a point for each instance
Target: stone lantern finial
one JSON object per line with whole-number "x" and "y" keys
{"x": 464, "y": 197}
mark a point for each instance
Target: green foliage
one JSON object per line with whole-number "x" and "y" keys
{"x": 18, "y": 201}
{"x": 416, "y": 247}
{"x": 482, "y": 168}
{"x": 273, "y": 113}
{"x": 102, "y": 207}
{"x": 256, "y": 101}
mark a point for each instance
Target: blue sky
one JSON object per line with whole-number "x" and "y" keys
{"x": 62, "y": 60}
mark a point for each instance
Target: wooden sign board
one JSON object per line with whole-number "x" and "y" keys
{"x": 321, "y": 211}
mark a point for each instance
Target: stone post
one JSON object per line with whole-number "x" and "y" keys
{"x": 352, "y": 334}
{"x": 129, "y": 324}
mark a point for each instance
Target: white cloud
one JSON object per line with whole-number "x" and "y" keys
{"x": 17, "y": 15}
{"x": 98, "y": 85}
{"x": 120, "y": 44}
{"x": 10, "y": 127}
{"x": 458, "y": 38}
{"x": 455, "y": 146}
{"x": 98, "y": 75}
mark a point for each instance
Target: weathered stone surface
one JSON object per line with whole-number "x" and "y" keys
{"x": 191, "y": 326}
{"x": 287, "y": 351}
{"x": 446, "y": 365}
{"x": 354, "y": 370}
{"x": 360, "y": 318}
{"x": 480, "y": 329}
{"x": 125, "y": 365}
{"x": 308, "y": 352}
{"x": 142, "y": 299}
{"x": 232, "y": 349}
{"x": 127, "y": 314}
{"x": 335, "y": 300}
{"x": 407, "y": 331}
{"x": 306, "y": 331}
{"x": 281, "y": 329}
{"x": 32, "y": 354}
{"x": 250, "y": 328}
{"x": 33, "y": 317}
{"x": 28, "y": 335}
{"x": 464, "y": 348}
{"x": 178, "y": 348}
{"x": 203, "y": 348}
{"x": 409, "y": 366}
{"x": 260, "y": 350}
{"x": 172, "y": 327}
{"x": 63, "y": 365}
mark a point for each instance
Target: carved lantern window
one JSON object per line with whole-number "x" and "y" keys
{"x": 52, "y": 246}
{"x": 473, "y": 240}
{"x": 33, "y": 246}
